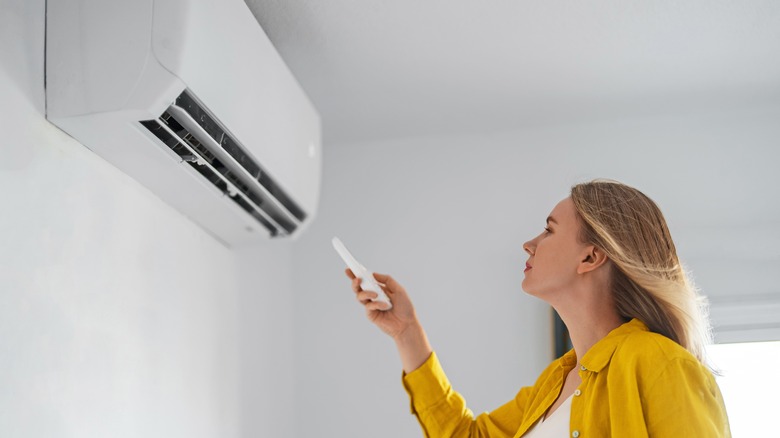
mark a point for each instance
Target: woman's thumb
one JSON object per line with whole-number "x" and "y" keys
{"x": 389, "y": 283}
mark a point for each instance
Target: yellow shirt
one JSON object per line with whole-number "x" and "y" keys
{"x": 635, "y": 383}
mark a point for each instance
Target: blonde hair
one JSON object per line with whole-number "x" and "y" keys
{"x": 647, "y": 281}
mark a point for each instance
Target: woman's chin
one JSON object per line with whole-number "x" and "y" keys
{"x": 529, "y": 289}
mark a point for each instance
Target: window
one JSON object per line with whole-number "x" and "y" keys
{"x": 749, "y": 384}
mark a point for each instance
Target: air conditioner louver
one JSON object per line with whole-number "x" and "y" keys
{"x": 196, "y": 136}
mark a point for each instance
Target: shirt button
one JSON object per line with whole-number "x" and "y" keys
{"x": 575, "y": 434}
{"x": 577, "y": 393}
{"x": 582, "y": 367}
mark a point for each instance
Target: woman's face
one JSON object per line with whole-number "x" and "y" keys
{"x": 554, "y": 254}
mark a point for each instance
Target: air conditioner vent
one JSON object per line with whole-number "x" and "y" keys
{"x": 190, "y": 131}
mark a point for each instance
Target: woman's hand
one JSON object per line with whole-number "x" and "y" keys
{"x": 393, "y": 322}
{"x": 400, "y": 322}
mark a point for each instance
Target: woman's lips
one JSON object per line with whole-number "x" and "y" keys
{"x": 527, "y": 267}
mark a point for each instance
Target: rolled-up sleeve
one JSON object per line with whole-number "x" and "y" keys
{"x": 442, "y": 412}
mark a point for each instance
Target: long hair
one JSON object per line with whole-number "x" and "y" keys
{"x": 647, "y": 280}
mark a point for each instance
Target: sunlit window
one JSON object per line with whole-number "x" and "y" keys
{"x": 750, "y": 385}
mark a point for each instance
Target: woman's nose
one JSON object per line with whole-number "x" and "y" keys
{"x": 529, "y": 247}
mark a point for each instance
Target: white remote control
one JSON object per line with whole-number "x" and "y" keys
{"x": 367, "y": 281}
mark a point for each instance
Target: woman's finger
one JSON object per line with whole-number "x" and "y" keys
{"x": 349, "y": 273}
{"x": 377, "y": 305}
{"x": 356, "y": 285}
{"x": 366, "y": 296}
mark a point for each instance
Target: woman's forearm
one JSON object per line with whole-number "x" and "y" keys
{"x": 413, "y": 347}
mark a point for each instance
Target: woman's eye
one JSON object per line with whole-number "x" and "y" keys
{"x": 547, "y": 230}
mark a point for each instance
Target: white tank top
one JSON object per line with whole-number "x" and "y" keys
{"x": 555, "y": 426}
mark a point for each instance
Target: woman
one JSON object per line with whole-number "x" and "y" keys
{"x": 607, "y": 264}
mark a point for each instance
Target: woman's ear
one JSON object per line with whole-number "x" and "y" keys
{"x": 593, "y": 257}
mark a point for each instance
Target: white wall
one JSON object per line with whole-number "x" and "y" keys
{"x": 118, "y": 316}
{"x": 447, "y": 217}
{"x": 267, "y": 378}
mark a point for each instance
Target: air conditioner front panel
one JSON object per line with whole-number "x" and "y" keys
{"x": 88, "y": 72}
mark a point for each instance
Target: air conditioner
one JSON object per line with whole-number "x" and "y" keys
{"x": 189, "y": 98}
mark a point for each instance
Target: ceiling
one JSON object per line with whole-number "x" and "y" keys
{"x": 388, "y": 69}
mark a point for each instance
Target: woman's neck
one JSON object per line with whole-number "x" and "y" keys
{"x": 588, "y": 321}
{"x": 586, "y": 332}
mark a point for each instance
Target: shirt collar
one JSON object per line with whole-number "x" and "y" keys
{"x": 601, "y": 352}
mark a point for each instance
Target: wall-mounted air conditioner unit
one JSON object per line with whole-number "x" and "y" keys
{"x": 190, "y": 98}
